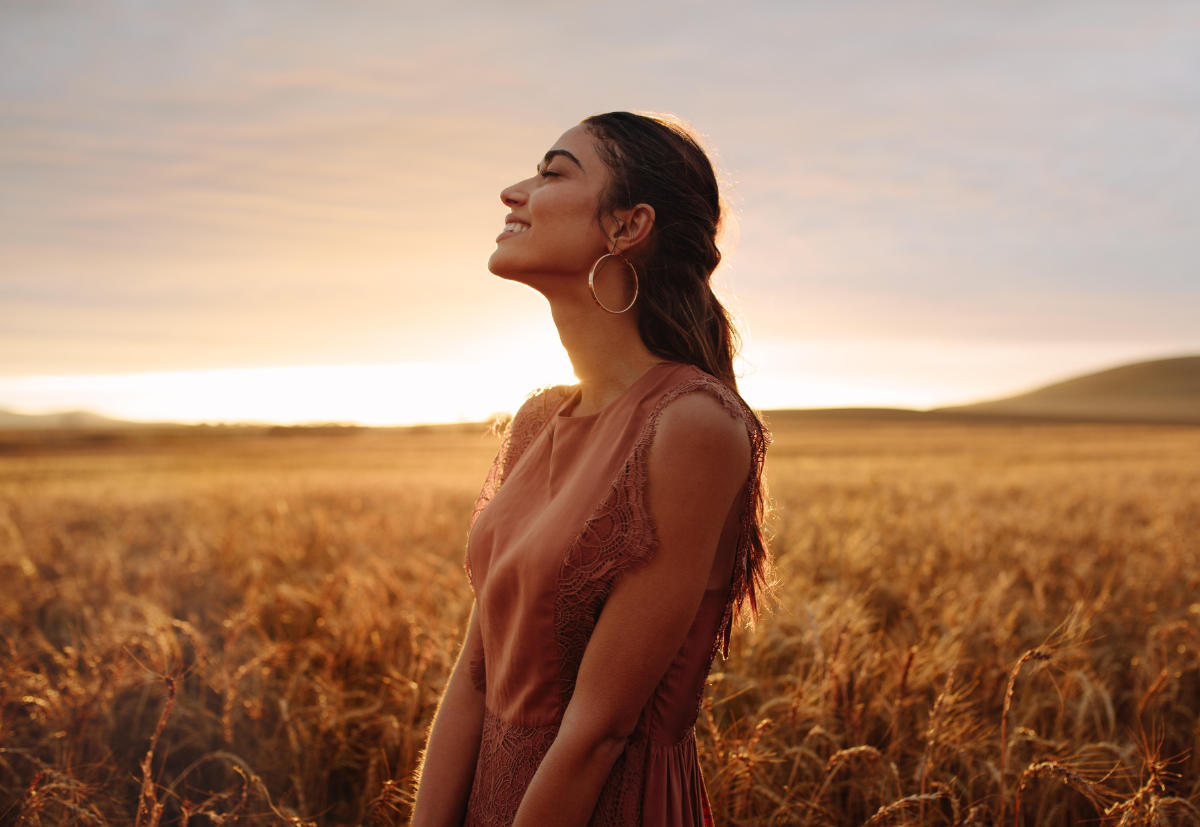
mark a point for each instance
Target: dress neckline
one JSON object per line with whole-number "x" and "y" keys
{"x": 573, "y": 400}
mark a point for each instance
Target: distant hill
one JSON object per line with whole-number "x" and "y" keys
{"x": 1162, "y": 390}
{"x": 64, "y": 419}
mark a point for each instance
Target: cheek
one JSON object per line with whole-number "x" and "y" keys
{"x": 565, "y": 211}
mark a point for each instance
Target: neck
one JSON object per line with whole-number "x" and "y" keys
{"x": 606, "y": 350}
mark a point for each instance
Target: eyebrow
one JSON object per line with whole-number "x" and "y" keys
{"x": 549, "y": 156}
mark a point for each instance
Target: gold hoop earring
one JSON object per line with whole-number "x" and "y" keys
{"x": 592, "y": 282}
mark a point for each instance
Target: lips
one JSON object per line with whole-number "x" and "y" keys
{"x": 512, "y": 226}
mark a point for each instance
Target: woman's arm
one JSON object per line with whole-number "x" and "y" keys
{"x": 697, "y": 467}
{"x": 448, "y": 767}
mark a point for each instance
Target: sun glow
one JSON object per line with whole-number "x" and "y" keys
{"x": 388, "y": 394}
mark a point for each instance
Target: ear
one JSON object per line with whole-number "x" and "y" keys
{"x": 631, "y": 227}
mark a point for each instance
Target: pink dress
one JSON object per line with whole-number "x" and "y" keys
{"x": 561, "y": 517}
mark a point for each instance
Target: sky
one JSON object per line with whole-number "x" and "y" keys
{"x": 282, "y": 211}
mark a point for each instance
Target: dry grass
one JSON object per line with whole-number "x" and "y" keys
{"x": 973, "y": 624}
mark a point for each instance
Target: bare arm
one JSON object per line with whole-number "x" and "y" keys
{"x": 698, "y": 464}
{"x": 448, "y": 767}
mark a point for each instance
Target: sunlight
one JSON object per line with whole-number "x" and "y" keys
{"x": 389, "y": 394}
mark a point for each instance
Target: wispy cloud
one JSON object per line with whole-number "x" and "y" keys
{"x": 256, "y": 183}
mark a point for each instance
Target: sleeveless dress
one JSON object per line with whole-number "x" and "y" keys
{"x": 561, "y": 517}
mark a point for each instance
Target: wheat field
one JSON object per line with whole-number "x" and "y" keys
{"x": 973, "y": 623}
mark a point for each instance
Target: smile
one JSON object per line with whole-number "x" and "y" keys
{"x": 515, "y": 228}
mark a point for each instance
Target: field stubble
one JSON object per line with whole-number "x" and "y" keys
{"x": 972, "y": 624}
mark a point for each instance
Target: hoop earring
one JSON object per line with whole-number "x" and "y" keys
{"x": 592, "y": 282}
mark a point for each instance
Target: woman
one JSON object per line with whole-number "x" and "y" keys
{"x": 618, "y": 535}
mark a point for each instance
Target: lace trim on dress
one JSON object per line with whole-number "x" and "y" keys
{"x": 509, "y": 755}
{"x": 750, "y": 560}
{"x": 621, "y": 534}
{"x": 620, "y": 801}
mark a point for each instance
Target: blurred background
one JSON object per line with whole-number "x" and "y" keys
{"x": 282, "y": 211}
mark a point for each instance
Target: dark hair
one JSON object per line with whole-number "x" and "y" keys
{"x": 658, "y": 162}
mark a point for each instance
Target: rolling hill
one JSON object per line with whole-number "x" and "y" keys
{"x": 1161, "y": 390}
{"x": 63, "y": 419}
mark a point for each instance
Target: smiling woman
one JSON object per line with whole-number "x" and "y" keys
{"x": 618, "y": 536}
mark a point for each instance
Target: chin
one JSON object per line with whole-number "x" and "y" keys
{"x": 504, "y": 266}
{"x": 496, "y": 266}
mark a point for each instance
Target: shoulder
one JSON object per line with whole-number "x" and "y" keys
{"x": 544, "y": 400}
{"x": 519, "y": 431}
{"x": 539, "y": 406}
{"x": 698, "y": 430}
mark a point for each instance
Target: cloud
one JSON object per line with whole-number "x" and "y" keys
{"x": 249, "y": 183}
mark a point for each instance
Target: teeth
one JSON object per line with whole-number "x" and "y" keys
{"x": 515, "y": 228}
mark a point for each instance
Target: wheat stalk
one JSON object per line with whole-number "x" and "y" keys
{"x": 889, "y": 810}
{"x": 1065, "y": 774}
{"x": 149, "y": 807}
{"x": 1036, "y": 654}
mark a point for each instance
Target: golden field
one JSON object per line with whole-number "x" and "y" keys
{"x": 974, "y": 623}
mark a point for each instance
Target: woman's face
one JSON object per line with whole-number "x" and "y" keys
{"x": 552, "y": 229}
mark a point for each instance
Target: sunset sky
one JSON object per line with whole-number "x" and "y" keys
{"x": 283, "y": 210}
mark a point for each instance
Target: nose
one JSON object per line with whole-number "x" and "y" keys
{"x": 513, "y": 195}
